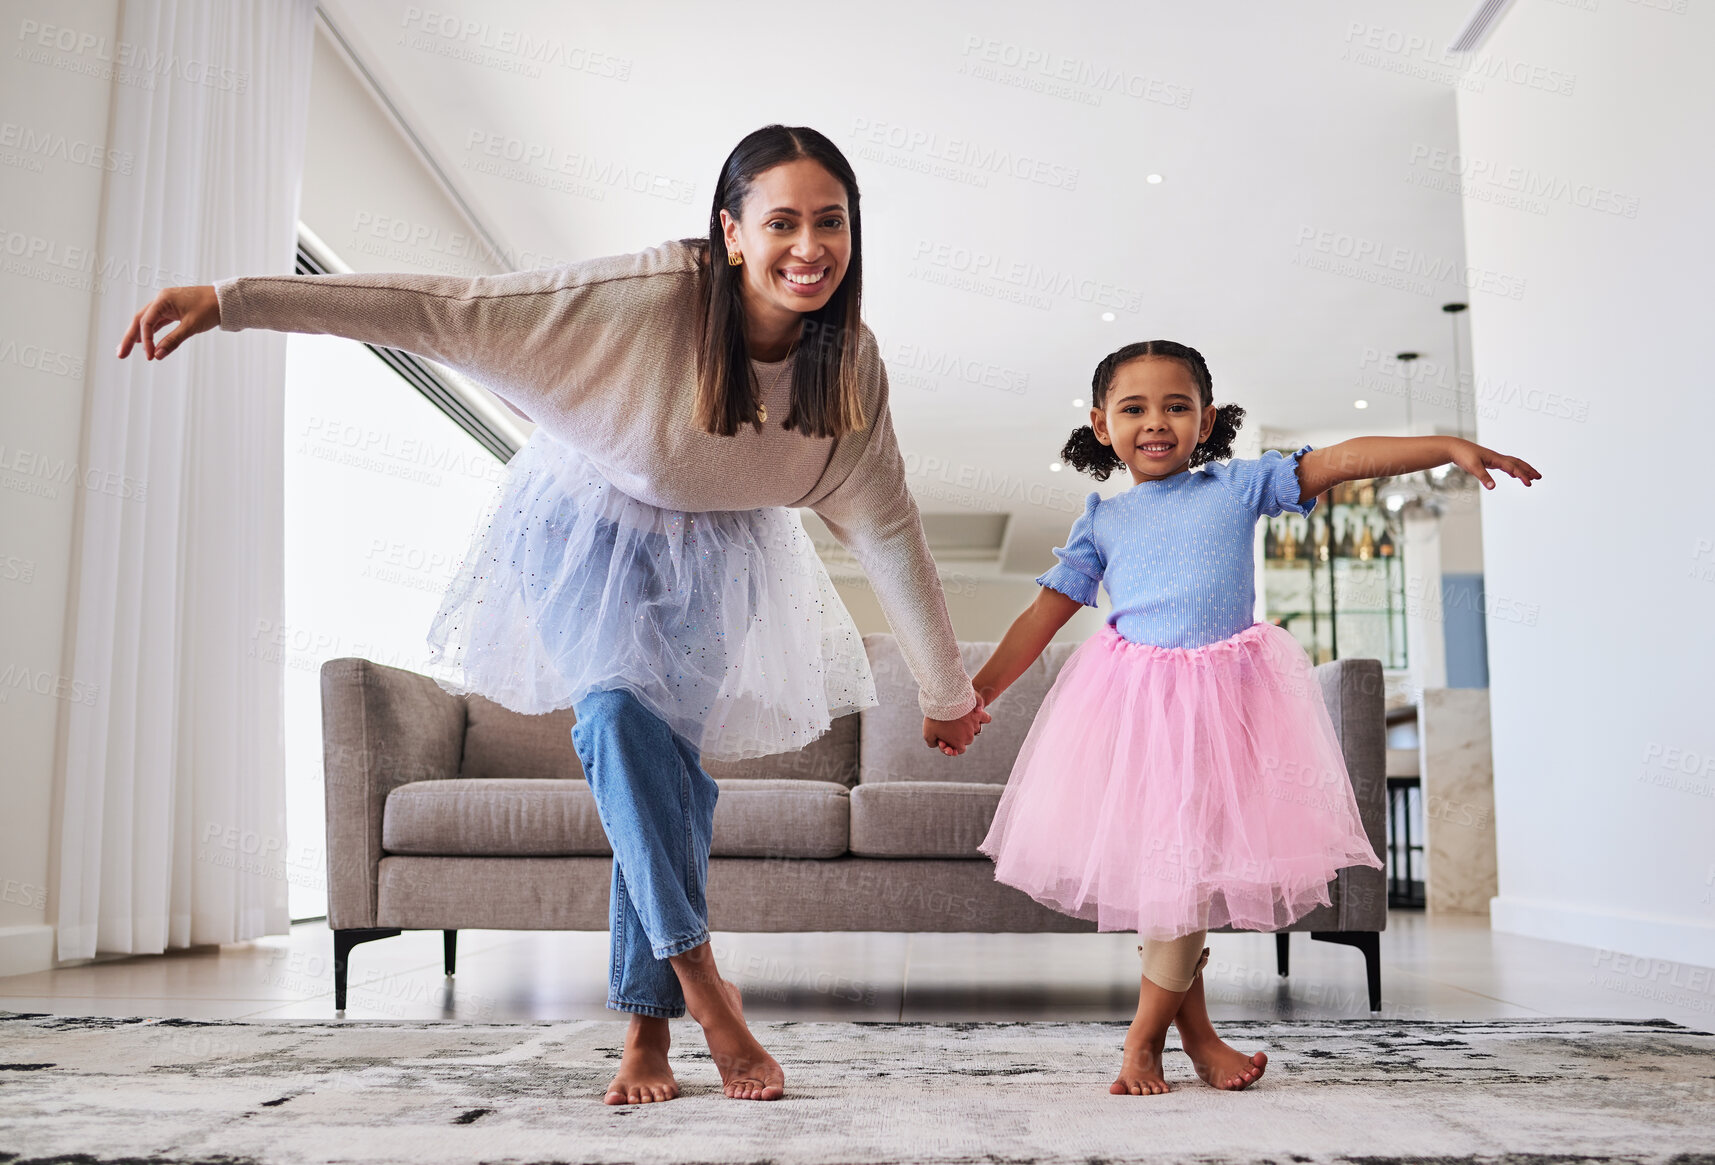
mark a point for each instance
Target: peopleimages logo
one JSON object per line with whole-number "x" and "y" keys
{"x": 1524, "y": 181}
{"x": 1026, "y": 275}
{"x": 546, "y": 159}
{"x": 454, "y": 32}
{"x": 980, "y": 158}
{"x": 1059, "y": 75}
{"x": 1395, "y": 50}
{"x": 1344, "y": 253}
{"x": 125, "y": 61}
{"x": 54, "y": 146}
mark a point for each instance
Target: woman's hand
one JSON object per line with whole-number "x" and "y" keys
{"x": 195, "y": 309}
{"x": 954, "y": 736}
{"x": 1475, "y": 460}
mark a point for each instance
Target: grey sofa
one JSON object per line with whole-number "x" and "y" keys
{"x": 447, "y": 812}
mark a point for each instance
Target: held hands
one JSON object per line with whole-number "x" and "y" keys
{"x": 952, "y": 737}
{"x": 1476, "y": 460}
{"x": 194, "y": 309}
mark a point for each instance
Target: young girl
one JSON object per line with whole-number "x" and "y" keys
{"x": 1182, "y": 772}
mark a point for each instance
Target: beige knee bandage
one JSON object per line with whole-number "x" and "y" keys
{"x": 1173, "y": 965}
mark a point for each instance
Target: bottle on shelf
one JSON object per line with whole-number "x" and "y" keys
{"x": 1384, "y": 544}
{"x": 1366, "y": 548}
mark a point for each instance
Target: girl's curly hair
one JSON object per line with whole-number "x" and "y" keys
{"x": 1085, "y": 452}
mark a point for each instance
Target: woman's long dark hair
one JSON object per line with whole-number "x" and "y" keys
{"x": 1085, "y": 452}
{"x": 826, "y": 397}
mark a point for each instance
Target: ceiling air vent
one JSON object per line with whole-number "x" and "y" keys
{"x": 1479, "y": 25}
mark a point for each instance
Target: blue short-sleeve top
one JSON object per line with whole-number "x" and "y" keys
{"x": 1178, "y": 555}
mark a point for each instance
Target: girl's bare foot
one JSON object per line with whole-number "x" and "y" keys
{"x": 1140, "y": 1069}
{"x": 1218, "y": 1063}
{"x": 1222, "y": 1065}
{"x": 747, "y": 1071}
{"x": 644, "y": 1075}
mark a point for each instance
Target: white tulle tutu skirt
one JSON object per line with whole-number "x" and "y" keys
{"x": 723, "y": 623}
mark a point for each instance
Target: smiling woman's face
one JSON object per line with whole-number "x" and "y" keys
{"x": 795, "y": 235}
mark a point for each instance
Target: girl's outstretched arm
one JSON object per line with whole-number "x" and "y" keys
{"x": 1363, "y": 457}
{"x": 1022, "y": 643}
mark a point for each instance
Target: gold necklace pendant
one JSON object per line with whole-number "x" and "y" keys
{"x": 762, "y": 413}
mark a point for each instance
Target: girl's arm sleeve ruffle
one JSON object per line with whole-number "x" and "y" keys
{"x": 873, "y": 515}
{"x": 1078, "y": 574}
{"x": 1266, "y": 485}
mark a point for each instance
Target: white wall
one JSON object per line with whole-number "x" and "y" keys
{"x": 1604, "y": 746}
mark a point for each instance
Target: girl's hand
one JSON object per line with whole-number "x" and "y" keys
{"x": 195, "y": 309}
{"x": 1475, "y": 460}
{"x": 952, "y": 737}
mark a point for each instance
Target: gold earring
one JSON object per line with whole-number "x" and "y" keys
{"x": 734, "y": 259}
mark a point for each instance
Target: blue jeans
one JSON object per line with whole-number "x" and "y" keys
{"x": 657, "y": 806}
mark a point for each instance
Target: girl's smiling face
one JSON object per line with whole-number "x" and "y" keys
{"x": 795, "y": 236}
{"x": 1153, "y": 417}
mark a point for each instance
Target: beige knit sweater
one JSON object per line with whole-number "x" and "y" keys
{"x": 601, "y": 353}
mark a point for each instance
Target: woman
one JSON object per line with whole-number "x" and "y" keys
{"x": 642, "y": 561}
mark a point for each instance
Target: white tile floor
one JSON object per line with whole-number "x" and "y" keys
{"x": 1433, "y": 967}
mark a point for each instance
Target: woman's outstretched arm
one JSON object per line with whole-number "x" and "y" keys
{"x": 537, "y": 338}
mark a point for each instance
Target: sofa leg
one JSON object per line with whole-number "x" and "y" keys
{"x": 1367, "y": 941}
{"x": 343, "y": 941}
{"x": 1280, "y": 952}
{"x": 450, "y": 948}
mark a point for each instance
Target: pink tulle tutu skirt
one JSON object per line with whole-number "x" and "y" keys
{"x": 1169, "y": 790}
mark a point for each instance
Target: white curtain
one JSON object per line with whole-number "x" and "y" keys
{"x": 172, "y": 820}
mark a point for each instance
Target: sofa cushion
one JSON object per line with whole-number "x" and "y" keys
{"x": 892, "y": 747}
{"x": 501, "y": 743}
{"x": 494, "y": 817}
{"x": 832, "y": 756}
{"x": 526, "y": 817}
{"x": 922, "y": 819}
{"x": 786, "y": 818}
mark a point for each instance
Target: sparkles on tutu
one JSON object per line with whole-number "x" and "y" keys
{"x": 1182, "y": 772}
{"x": 724, "y": 623}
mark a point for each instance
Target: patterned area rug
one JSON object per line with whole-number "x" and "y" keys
{"x": 141, "y": 1090}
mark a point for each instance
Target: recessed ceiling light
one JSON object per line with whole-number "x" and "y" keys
{"x": 1153, "y": 179}
{"x": 1107, "y": 317}
{"x": 1078, "y": 402}
{"x": 1054, "y": 466}
{"x": 1360, "y": 404}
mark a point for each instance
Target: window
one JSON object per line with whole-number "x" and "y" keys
{"x": 383, "y": 492}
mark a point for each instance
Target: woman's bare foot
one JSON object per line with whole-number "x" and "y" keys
{"x": 747, "y": 1071}
{"x": 1222, "y": 1065}
{"x": 1140, "y": 1069}
{"x": 644, "y": 1075}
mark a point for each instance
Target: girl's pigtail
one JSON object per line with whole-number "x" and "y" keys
{"x": 1085, "y": 452}
{"x": 1219, "y": 446}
